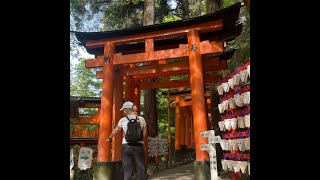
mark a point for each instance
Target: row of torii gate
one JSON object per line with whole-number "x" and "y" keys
{"x": 193, "y": 47}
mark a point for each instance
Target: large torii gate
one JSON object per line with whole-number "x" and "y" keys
{"x": 175, "y": 48}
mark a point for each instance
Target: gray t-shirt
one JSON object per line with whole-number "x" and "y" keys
{"x": 124, "y": 122}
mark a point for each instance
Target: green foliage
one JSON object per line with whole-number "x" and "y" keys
{"x": 171, "y": 19}
{"x": 163, "y": 116}
{"x": 89, "y": 127}
{"x": 83, "y": 174}
{"x": 88, "y": 111}
{"x": 241, "y": 43}
{"x": 197, "y": 8}
{"x": 227, "y": 3}
{"x": 73, "y": 128}
{"x": 123, "y": 14}
{"x": 179, "y": 77}
{"x": 93, "y": 127}
{"x": 162, "y": 10}
{"x": 112, "y": 14}
{"x": 85, "y": 127}
{"x": 84, "y": 81}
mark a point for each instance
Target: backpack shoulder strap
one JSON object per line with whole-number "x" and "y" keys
{"x": 131, "y": 119}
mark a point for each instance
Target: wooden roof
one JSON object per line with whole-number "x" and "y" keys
{"x": 86, "y": 102}
{"x": 231, "y": 28}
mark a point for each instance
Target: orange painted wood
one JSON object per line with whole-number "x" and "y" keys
{"x": 162, "y": 62}
{"x": 175, "y": 83}
{"x": 98, "y": 62}
{"x": 169, "y": 129}
{"x": 106, "y": 106}
{"x": 197, "y": 92}
{"x": 235, "y": 176}
{"x": 94, "y": 63}
{"x": 157, "y": 68}
{"x": 149, "y": 55}
{"x": 187, "y": 95}
{"x": 161, "y": 74}
{"x": 182, "y": 125}
{"x": 188, "y": 127}
{"x": 154, "y": 85}
{"x": 177, "y": 125}
{"x": 182, "y": 51}
{"x": 171, "y": 69}
{"x": 206, "y": 47}
{"x": 149, "y": 46}
{"x": 137, "y": 94}
{"x": 175, "y": 66}
{"x": 97, "y": 117}
{"x": 117, "y": 115}
{"x": 180, "y": 31}
{"x": 189, "y": 103}
{"x": 130, "y": 85}
{"x": 91, "y": 105}
{"x": 141, "y": 74}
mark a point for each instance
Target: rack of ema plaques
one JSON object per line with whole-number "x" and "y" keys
{"x": 234, "y": 107}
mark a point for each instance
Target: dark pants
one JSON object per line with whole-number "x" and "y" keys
{"x": 133, "y": 153}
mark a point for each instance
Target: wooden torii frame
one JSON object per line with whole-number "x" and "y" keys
{"x": 121, "y": 55}
{"x": 181, "y": 100}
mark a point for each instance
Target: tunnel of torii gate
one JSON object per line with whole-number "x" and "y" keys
{"x": 193, "y": 47}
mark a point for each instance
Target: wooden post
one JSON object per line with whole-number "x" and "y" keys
{"x": 145, "y": 143}
{"x": 129, "y": 94}
{"x": 188, "y": 123}
{"x": 106, "y": 104}
{"x": 117, "y": 115}
{"x": 182, "y": 125}
{"x": 137, "y": 94}
{"x": 169, "y": 129}
{"x": 197, "y": 93}
{"x": 192, "y": 129}
{"x": 177, "y": 125}
{"x": 247, "y": 3}
{"x": 97, "y": 117}
{"x": 235, "y": 176}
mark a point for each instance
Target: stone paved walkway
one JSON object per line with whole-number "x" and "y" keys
{"x": 184, "y": 172}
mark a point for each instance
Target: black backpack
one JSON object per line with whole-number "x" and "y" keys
{"x": 134, "y": 132}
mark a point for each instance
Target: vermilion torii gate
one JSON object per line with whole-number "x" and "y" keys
{"x": 175, "y": 48}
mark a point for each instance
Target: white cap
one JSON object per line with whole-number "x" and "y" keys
{"x": 127, "y": 105}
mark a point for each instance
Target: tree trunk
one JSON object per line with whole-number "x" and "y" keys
{"x": 150, "y": 110}
{"x": 213, "y": 5}
{"x": 214, "y": 123}
{"x": 74, "y": 111}
{"x": 150, "y": 99}
{"x": 150, "y": 103}
{"x": 247, "y": 3}
{"x": 185, "y": 9}
{"x": 148, "y": 12}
